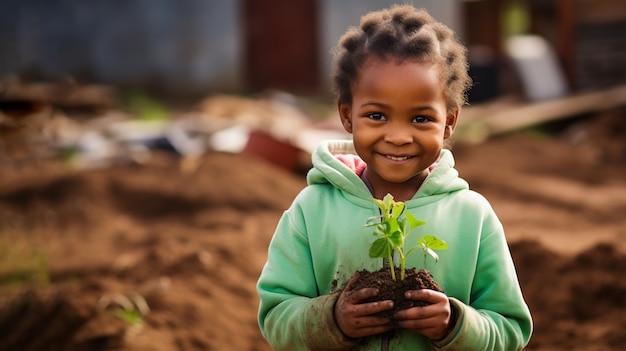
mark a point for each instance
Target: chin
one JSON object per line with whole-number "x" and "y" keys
{"x": 398, "y": 180}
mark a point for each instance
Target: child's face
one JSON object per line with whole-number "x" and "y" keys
{"x": 399, "y": 121}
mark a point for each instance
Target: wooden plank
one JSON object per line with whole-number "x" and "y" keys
{"x": 479, "y": 122}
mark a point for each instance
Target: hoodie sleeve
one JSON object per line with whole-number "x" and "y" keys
{"x": 497, "y": 317}
{"x": 291, "y": 314}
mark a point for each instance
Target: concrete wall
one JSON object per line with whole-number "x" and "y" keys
{"x": 182, "y": 45}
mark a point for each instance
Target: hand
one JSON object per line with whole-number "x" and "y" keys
{"x": 357, "y": 319}
{"x": 433, "y": 320}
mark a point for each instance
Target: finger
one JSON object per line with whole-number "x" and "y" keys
{"x": 418, "y": 312}
{"x": 370, "y": 325}
{"x": 370, "y": 308}
{"x": 354, "y": 278}
{"x": 359, "y": 320}
{"x": 422, "y": 323}
{"x": 361, "y": 295}
{"x": 357, "y": 296}
{"x": 440, "y": 309}
{"x": 426, "y": 295}
{"x": 372, "y": 321}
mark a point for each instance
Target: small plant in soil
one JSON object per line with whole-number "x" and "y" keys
{"x": 132, "y": 309}
{"x": 392, "y": 228}
{"x": 393, "y": 231}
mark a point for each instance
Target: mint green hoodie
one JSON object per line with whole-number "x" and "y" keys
{"x": 321, "y": 241}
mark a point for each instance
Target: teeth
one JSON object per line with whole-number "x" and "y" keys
{"x": 398, "y": 158}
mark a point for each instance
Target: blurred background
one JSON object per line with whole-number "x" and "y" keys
{"x": 148, "y": 148}
{"x": 193, "y": 47}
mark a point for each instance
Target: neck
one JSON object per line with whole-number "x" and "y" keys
{"x": 400, "y": 191}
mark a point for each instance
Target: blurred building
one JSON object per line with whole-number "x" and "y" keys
{"x": 197, "y": 46}
{"x": 177, "y": 46}
{"x": 588, "y": 36}
{"x": 184, "y": 46}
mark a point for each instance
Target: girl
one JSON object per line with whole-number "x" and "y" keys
{"x": 400, "y": 80}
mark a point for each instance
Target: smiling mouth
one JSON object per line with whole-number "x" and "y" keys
{"x": 398, "y": 158}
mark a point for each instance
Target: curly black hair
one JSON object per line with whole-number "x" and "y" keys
{"x": 402, "y": 32}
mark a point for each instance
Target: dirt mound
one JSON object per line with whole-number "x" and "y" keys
{"x": 190, "y": 244}
{"x": 577, "y": 302}
{"x": 157, "y": 257}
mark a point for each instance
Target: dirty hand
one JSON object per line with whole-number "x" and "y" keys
{"x": 357, "y": 319}
{"x": 433, "y": 320}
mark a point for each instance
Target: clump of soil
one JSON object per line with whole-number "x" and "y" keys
{"x": 389, "y": 289}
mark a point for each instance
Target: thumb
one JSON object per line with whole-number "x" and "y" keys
{"x": 352, "y": 280}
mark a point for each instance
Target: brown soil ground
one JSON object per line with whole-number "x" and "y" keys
{"x": 76, "y": 244}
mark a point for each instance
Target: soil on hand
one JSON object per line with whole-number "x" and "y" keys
{"x": 390, "y": 289}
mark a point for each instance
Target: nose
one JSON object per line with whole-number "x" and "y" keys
{"x": 398, "y": 134}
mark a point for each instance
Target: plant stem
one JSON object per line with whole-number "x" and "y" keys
{"x": 392, "y": 267}
{"x": 402, "y": 257}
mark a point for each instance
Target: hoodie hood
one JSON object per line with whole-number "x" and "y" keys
{"x": 336, "y": 162}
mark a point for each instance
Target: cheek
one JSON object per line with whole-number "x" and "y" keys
{"x": 433, "y": 140}
{"x": 363, "y": 142}
{"x": 363, "y": 135}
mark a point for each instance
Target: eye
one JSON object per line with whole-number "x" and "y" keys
{"x": 376, "y": 116}
{"x": 420, "y": 119}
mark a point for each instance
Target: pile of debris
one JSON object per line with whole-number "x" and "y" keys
{"x": 89, "y": 127}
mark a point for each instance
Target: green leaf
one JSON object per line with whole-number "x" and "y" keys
{"x": 404, "y": 224}
{"x": 380, "y": 248}
{"x": 392, "y": 232}
{"x": 396, "y": 238}
{"x": 131, "y": 317}
{"x": 388, "y": 207}
{"x": 413, "y": 222}
{"x": 380, "y": 205}
{"x": 387, "y": 201}
{"x": 380, "y": 230}
{"x": 396, "y": 209}
{"x": 434, "y": 243}
{"x": 392, "y": 226}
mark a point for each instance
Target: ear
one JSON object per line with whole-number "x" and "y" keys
{"x": 451, "y": 123}
{"x": 345, "y": 115}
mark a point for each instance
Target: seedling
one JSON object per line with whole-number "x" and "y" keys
{"x": 392, "y": 229}
{"x": 132, "y": 309}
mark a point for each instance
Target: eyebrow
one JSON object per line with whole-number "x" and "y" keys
{"x": 382, "y": 105}
{"x": 373, "y": 103}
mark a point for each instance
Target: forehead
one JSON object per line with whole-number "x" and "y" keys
{"x": 408, "y": 77}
